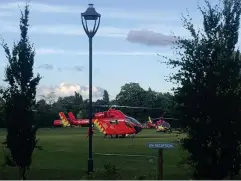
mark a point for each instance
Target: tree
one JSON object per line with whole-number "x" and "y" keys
{"x": 68, "y": 103}
{"x": 164, "y": 101}
{"x": 50, "y": 98}
{"x": 208, "y": 95}
{"x": 2, "y": 103}
{"x": 131, "y": 94}
{"x": 2, "y": 122}
{"x": 78, "y": 99}
{"x": 150, "y": 98}
{"x": 44, "y": 115}
{"x": 19, "y": 100}
{"x": 71, "y": 103}
{"x": 106, "y": 99}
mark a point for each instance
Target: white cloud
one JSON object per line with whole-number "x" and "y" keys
{"x": 65, "y": 89}
{"x": 43, "y": 51}
{"x": 64, "y": 29}
{"x": 35, "y": 6}
{"x": 77, "y": 30}
{"x": 159, "y": 21}
{"x": 103, "y": 31}
{"x": 46, "y": 66}
{"x": 106, "y": 12}
{"x": 150, "y": 38}
{"x": 171, "y": 29}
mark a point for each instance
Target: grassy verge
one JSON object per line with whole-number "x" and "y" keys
{"x": 65, "y": 156}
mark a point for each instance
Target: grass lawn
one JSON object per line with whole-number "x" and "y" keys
{"x": 65, "y": 155}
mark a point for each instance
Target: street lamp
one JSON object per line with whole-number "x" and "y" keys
{"x": 90, "y": 15}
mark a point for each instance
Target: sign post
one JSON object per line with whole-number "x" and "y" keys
{"x": 160, "y": 147}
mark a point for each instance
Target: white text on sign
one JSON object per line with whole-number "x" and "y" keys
{"x": 160, "y": 145}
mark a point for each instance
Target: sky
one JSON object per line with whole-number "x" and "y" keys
{"x": 125, "y": 47}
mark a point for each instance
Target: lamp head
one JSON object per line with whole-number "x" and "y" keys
{"x": 90, "y": 15}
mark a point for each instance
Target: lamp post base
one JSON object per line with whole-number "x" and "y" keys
{"x": 90, "y": 166}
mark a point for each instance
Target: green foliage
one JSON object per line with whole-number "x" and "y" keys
{"x": 19, "y": 98}
{"x": 106, "y": 98}
{"x": 145, "y": 176}
{"x": 208, "y": 95}
{"x": 131, "y": 94}
{"x": 70, "y": 103}
{"x": 2, "y": 122}
{"x": 82, "y": 114}
{"x": 109, "y": 172}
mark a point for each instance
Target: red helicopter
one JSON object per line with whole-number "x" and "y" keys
{"x": 160, "y": 124}
{"x": 110, "y": 122}
{"x": 115, "y": 122}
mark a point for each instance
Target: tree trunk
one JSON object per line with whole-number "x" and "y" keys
{"x": 24, "y": 177}
{"x": 23, "y": 173}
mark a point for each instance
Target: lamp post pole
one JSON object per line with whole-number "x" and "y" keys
{"x": 90, "y": 159}
{"x": 90, "y": 15}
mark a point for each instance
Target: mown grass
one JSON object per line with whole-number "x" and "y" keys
{"x": 65, "y": 155}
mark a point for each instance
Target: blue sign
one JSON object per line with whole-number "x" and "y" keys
{"x": 160, "y": 145}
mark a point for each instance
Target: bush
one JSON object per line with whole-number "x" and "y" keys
{"x": 109, "y": 172}
{"x": 146, "y": 176}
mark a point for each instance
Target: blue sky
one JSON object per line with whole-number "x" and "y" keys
{"x": 62, "y": 46}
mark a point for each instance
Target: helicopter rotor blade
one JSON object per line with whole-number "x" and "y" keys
{"x": 163, "y": 118}
{"x": 100, "y": 105}
{"x": 130, "y": 107}
{"x": 170, "y": 118}
{"x": 153, "y": 119}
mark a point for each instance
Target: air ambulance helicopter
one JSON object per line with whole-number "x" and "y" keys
{"x": 160, "y": 124}
{"x": 110, "y": 122}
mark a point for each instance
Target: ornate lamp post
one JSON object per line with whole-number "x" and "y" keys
{"x": 90, "y": 15}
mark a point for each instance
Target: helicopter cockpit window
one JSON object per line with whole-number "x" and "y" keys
{"x": 133, "y": 120}
{"x": 114, "y": 121}
{"x": 128, "y": 124}
{"x": 167, "y": 125}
